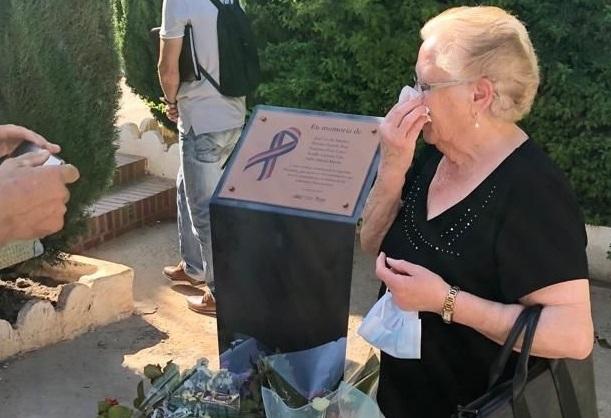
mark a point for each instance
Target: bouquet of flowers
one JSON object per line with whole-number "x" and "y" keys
{"x": 320, "y": 391}
{"x": 255, "y": 383}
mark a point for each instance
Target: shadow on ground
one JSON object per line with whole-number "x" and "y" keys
{"x": 84, "y": 370}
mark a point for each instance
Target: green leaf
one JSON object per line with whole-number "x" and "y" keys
{"x": 140, "y": 396}
{"x": 162, "y": 387}
{"x": 153, "y": 372}
{"x": 168, "y": 366}
{"x": 103, "y": 407}
{"x": 119, "y": 411}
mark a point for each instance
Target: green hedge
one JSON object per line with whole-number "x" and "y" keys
{"x": 353, "y": 56}
{"x": 133, "y": 20}
{"x": 58, "y": 76}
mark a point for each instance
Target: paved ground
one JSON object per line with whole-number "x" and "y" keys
{"x": 66, "y": 380}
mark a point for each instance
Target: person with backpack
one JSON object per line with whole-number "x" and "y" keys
{"x": 209, "y": 110}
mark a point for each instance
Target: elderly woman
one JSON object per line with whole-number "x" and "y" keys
{"x": 479, "y": 224}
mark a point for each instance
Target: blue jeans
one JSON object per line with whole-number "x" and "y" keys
{"x": 201, "y": 160}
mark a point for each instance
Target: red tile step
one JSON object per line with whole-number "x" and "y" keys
{"x": 129, "y": 168}
{"x": 129, "y": 207}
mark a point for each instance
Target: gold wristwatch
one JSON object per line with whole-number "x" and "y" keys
{"x": 448, "y": 304}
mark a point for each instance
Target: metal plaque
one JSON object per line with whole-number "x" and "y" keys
{"x": 303, "y": 160}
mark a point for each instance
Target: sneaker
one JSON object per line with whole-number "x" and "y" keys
{"x": 205, "y": 305}
{"x": 177, "y": 274}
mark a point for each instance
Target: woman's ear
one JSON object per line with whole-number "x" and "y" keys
{"x": 483, "y": 94}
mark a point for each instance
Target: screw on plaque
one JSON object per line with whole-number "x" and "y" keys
{"x": 263, "y": 118}
{"x": 345, "y": 205}
{"x": 374, "y": 131}
{"x": 232, "y": 189}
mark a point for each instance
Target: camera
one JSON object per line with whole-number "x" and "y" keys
{"x": 27, "y": 146}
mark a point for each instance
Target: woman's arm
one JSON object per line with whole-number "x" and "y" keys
{"x": 399, "y": 132}
{"x": 565, "y": 328}
{"x": 380, "y": 210}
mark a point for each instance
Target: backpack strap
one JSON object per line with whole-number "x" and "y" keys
{"x": 218, "y": 4}
{"x": 211, "y": 79}
{"x": 201, "y": 69}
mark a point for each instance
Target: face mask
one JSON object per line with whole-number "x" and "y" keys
{"x": 392, "y": 330}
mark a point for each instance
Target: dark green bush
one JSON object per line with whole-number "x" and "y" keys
{"x": 133, "y": 20}
{"x": 572, "y": 115}
{"x": 58, "y": 76}
{"x": 353, "y": 56}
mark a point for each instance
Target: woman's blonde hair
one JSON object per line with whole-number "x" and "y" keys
{"x": 488, "y": 42}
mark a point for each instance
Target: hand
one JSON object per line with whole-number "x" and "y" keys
{"x": 11, "y": 136}
{"x": 400, "y": 130}
{"x": 413, "y": 287}
{"x": 34, "y": 198}
{"x": 171, "y": 111}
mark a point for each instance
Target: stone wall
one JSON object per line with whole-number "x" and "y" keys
{"x": 154, "y": 143}
{"x": 98, "y": 294}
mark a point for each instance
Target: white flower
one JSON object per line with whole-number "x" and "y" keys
{"x": 320, "y": 404}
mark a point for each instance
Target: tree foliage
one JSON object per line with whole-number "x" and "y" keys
{"x": 354, "y": 56}
{"x": 58, "y": 76}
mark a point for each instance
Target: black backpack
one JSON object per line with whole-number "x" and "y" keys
{"x": 238, "y": 58}
{"x": 187, "y": 63}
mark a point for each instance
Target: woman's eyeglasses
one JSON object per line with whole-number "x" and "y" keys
{"x": 422, "y": 87}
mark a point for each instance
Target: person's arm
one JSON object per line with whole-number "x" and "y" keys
{"x": 174, "y": 17}
{"x": 380, "y": 210}
{"x": 169, "y": 75}
{"x": 565, "y": 328}
{"x": 399, "y": 132}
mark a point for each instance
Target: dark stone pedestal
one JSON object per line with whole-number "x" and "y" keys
{"x": 283, "y": 274}
{"x": 281, "y": 278}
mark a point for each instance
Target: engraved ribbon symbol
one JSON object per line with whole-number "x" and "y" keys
{"x": 284, "y": 142}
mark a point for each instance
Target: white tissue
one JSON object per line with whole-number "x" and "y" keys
{"x": 407, "y": 93}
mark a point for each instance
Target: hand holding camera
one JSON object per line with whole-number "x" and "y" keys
{"x": 13, "y": 136}
{"x": 33, "y": 188}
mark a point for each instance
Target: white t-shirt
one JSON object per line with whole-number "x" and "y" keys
{"x": 200, "y": 105}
